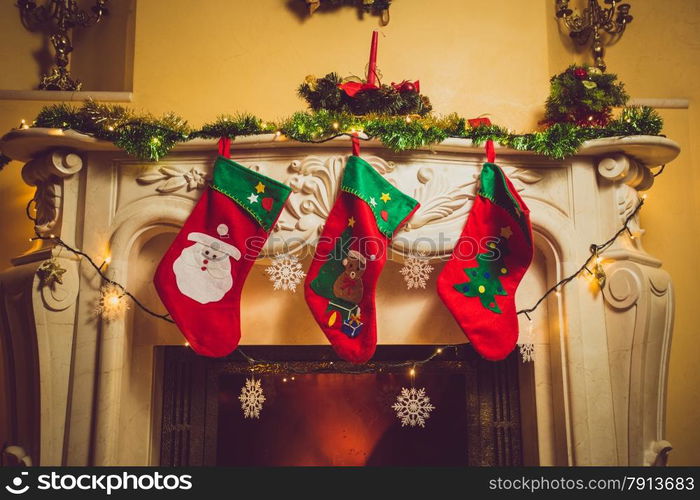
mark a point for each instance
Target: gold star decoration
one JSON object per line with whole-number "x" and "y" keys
{"x": 385, "y": 197}
{"x": 506, "y": 232}
{"x": 260, "y": 188}
{"x": 351, "y": 222}
{"x": 50, "y": 272}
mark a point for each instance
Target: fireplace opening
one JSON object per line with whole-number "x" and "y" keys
{"x": 315, "y": 416}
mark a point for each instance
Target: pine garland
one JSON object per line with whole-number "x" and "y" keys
{"x": 150, "y": 138}
{"x": 143, "y": 136}
{"x": 234, "y": 125}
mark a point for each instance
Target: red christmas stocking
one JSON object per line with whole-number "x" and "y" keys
{"x": 478, "y": 283}
{"x": 349, "y": 257}
{"x": 201, "y": 275}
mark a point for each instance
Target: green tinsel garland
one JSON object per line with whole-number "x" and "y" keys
{"x": 151, "y": 138}
{"x": 233, "y": 125}
{"x": 143, "y": 136}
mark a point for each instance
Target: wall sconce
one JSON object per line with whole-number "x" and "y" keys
{"x": 60, "y": 16}
{"x": 612, "y": 19}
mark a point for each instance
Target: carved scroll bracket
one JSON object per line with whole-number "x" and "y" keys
{"x": 639, "y": 318}
{"x": 620, "y": 167}
{"x": 623, "y": 285}
{"x": 47, "y": 172}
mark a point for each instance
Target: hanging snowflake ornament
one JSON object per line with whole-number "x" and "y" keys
{"x": 251, "y": 398}
{"x": 416, "y": 271}
{"x": 526, "y": 342}
{"x": 112, "y": 303}
{"x": 413, "y": 407}
{"x": 285, "y": 272}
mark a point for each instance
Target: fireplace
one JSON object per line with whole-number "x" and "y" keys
{"x": 83, "y": 390}
{"x": 315, "y": 415}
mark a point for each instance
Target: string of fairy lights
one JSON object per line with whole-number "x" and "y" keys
{"x": 113, "y": 297}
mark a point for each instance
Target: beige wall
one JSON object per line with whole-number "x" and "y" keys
{"x": 204, "y": 58}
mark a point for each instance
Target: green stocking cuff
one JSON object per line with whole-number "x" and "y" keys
{"x": 389, "y": 205}
{"x": 262, "y": 197}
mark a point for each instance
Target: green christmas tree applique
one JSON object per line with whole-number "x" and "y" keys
{"x": 485, "y": 278}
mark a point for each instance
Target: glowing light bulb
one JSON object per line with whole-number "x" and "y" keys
{"x": 408, "y": 119}
{"x": 439, "y": 350}
{"x": 413, "y": 372}
{"x": 284, "y": 379}
{"x": 644, "y": 196}
{"x": 108, "y": 260}
{"x": 112, "y": 304}
{"x": 187, "y": 344}
{"x": 110, "y": 128}
{"x": 336, "y": 125}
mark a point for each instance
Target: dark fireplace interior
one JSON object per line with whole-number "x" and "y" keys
{"x": 315, "y": 416}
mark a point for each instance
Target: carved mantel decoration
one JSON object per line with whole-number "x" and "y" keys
{"x": 595, "y": 394}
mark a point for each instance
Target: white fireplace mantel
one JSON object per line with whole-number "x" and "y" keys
{"x": 596, "y": 389}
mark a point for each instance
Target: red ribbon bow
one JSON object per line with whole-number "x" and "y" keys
{"x": 490, "y": 150}
{"x": 406, "y": 86}
{"x": 479, "y": 122}
{"x": 353, "y": 88}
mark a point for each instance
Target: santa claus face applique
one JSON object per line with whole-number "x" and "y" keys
{"x": 203, "y": 270}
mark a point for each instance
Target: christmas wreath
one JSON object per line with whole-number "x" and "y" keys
{"x": 358, "y": 97}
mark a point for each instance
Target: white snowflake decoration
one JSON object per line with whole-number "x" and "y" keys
{"x": 285, "y": 272}
{"x": 251, "y": 398}
{"x": 112, "y": 303}
{"x": 526, "y": 342}
{"x": 416, "y": 271}
{"x": 527, "y": 352}
{"x": 413, "y": 407}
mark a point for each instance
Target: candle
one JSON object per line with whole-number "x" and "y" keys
{"x": 372, "y": 70}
